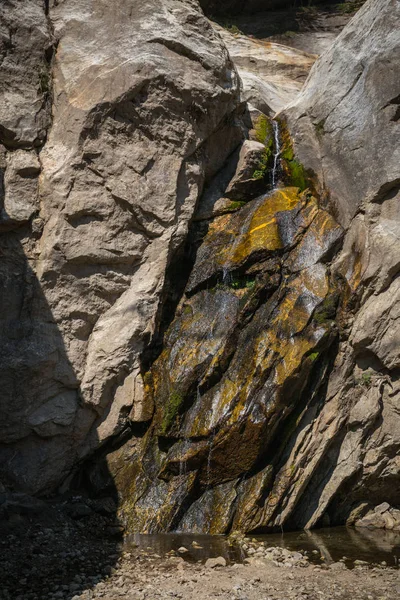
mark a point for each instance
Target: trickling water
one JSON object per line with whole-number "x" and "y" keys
{"x": 226, "y": 276}
{"x": 277, "y": 153}
{"x": 183, "y": 463}
{"x": 212, "y": 436}
{"x": 209, "y": 459}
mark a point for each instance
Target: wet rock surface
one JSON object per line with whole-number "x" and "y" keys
{"x": 250, "y": 336}
{"x": 232, "y": 353}
{"x": 362, "y": 395}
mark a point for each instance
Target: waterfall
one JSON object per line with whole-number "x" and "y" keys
{"x": 226, "y": 276}
{"x": 277, "y": 153}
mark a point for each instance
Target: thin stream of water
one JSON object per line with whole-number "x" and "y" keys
{"x": 277, "y": 153}
{"x": 183, "y": 463}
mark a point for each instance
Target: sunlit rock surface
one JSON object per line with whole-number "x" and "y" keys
{"x": 272, "y": 75}
{"x": 345, "y": 127}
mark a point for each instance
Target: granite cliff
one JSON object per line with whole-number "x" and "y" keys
{"x": 200, "y": 260}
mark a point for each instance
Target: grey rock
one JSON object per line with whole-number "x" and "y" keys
{"x": 272, "y": 75}
{"x": 137, "y": 124}
{"x": 104, "y": 506}
{"x": 337, "y": 566}
{"x": 376, "y": 326}
{"x": 382, "y": 508}
{"x": 78, "y": 510}
{"x": 335, "y": 125}
{"x": 344, "y": 126}
{"x": 211, "y": 563}
{"x": 372, "y": 520}
{"x": 21, "y": 186}
{"x": 25, "y": 77}
{"x": 243, "y": 184}
{"x": 22, "y": 504}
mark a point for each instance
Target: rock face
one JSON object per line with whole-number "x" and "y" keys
{"x": 272, "y": 75}
{"x": 233, "y": 303}
{"x": 243, "y": 360}
{"x": 141, "y": 96}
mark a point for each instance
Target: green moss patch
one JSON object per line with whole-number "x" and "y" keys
{"x": 44, "y": 81}
{"x": 263, "y": 130}
{"x": 232, "y": 28}
{"x": 236, "y": 204}
{"x": 327, "y": 310}
{"x": 295, "y": 173}
{"x": 171, "y": 411}
{"x": 350, "y": 7}
{"x": 262, "y": 169}
{"x": 320, "y": 127}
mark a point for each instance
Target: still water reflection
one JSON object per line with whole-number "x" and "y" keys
{"x": 372, "y": 546}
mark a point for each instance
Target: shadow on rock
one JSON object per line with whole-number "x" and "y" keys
{"x": 62, "y": 547}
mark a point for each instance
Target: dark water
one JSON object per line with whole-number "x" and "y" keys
{"x": 333, "y": 544}
{"x": 200, "y": 547}
{"x": 370, "y": 545}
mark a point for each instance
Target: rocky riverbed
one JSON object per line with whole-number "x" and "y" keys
{"x": 62, "y": 554}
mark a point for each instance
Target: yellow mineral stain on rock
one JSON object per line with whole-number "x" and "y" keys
{"x": 249, "y": 496}
{"x": 263, "y": 225}
{"x": 292, "y": 358}
{"x": 263, "y": 232}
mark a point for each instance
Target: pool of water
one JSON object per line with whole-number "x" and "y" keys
{"x": 199, "y": 547}
{"x": 333, "y": 544}
{"x": 370, "y": 545}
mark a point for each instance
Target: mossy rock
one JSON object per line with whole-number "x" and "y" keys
{"x": 294, "y": 172}
{"x": 263, "y": 130}
{"x": 236, "y": 205}
{"x": 327, "y": 311}
{"x": 171, "y": 411}
{"x": 263, "y": 166}
{"x": 264, "y": 134}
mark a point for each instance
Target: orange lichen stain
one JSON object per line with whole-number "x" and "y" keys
{"x": 273, "y": 220}
{"x": 355, "y": 273}
{"x": 282, "y": 347}
{"x": 260, "y": 231}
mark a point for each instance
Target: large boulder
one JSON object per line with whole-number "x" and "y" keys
{"x": 346, "y": 118}
{"x": 143, "y": 93}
